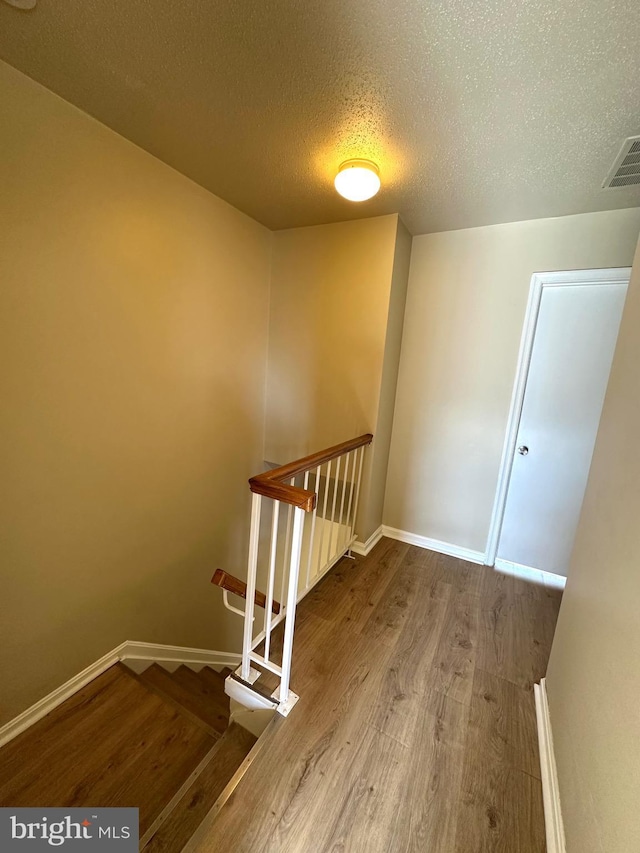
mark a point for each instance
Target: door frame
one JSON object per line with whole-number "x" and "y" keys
{"x": 539, "y": 281}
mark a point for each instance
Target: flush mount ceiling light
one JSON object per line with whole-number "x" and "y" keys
{"x": 357, "y": 180}
{"x": 22, "y": 4}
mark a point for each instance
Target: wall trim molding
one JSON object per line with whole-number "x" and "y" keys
{"x": 530, "y": 574}
{"x": 129, "y": 650}
{"x": 554, "y": 826}
{"x": 434, "y": 545}
{"x": 363, "y": 548}
{"x": 158, "y": 653}
{"x": 539, "y": 282}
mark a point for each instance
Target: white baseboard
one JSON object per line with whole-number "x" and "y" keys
{"x": 363, "y": 548}
{"x": 433, "y": 545}
{"x": 127, "y": 651}
{"x": 550, "y": 791}
{"x": 157, "y": 653}
{"x": 529, "y": 574}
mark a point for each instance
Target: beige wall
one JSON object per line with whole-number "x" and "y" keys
{"x": 133, "y": 332}
{"x": 593, "y": 678}
{"x": 467, "y": 296}
{"x": 330, "y": 306}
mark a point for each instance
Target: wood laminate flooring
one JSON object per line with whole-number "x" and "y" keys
{"x": 416, "y": 728}
{"x": 159, "y": 741}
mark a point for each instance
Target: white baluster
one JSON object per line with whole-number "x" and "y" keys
{"x": 333, "y": 509}
{"x": 294, "y": 569}
{"x": 287, "y": 542}
{"x": 313, "y": 528}
{"x": 272, "y": 577}
{"x": 252, "y": 569}
{"x": 359, "y": 480}
{"x": 344, "y": 489}
{"x": 350, "y": 478}
{"x": 305, "y": 483}
{"x": 324, "y": 517}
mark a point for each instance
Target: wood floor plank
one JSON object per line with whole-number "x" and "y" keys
{"x": 315, "y": 636}
{"x": 463, "y": 576}
{"x": 418, "y": 556}
{"x": 429, "y": 569}
{"x": 396, "y": 605}
{"x": 496, "y": 628}
{"x": 363, "y": 582}
{"x": 531, "y": 635}
{"x": 367, "y": 588}
{"x": 365, "y": 770}
{"x": 455, "y": 657}
{"x": 500, "y": 809}
{"x": 351, "y": 578}
{"x": 428, "y": 814}
{"x": 408, "y": 677}
{"x": 495, "y": 587}
{"x": 502, "y": 721}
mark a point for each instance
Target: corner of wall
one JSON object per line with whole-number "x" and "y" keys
{"x": 389, "y": 380}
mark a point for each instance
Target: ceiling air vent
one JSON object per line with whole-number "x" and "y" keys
{"x": 625, "y": 171}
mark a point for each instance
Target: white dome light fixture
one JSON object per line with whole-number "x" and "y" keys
{"x": 357, "y": 180}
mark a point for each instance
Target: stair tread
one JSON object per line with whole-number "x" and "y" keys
{"x": 207, "y": 682}
{"x": 114, "y": 742}
{"x": 229, "y": 753}
{"x": 205, "y": 689}
{"x": 207, "y": 702}
{"x": 210, "y": 676}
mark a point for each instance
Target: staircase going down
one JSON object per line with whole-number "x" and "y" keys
{"x": 158, "y": 740}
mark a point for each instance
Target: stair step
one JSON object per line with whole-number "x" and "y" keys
{"x": 206, "y": 690}
{"x": 207, "y": 703}
{"x": 209, "y": 677}
{"x": 113, "y": 743}
{"x": 159, "y": 681}
{"x": 187, "y": 815}
{"x": 208, "y": 684}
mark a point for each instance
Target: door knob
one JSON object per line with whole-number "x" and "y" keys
{"x": 523, "y": 450}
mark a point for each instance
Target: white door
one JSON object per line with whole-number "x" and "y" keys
{"x": 574, "y": 340}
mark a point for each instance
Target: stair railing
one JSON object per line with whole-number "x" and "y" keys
{"x": 302, "y": 522}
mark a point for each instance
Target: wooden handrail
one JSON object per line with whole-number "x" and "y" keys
{"x": 238, "y": 587}
{"x": 274, "y": 483}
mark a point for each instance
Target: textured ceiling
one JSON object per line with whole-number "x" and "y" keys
{"x": 477, "y": 111}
